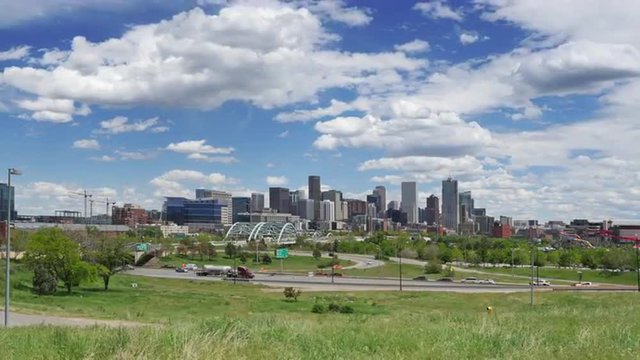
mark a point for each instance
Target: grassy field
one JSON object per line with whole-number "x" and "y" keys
{"x": 291, "y": 264}
{"x": 212, "y": 320}
{"x": 389, "y": 269}
{"x": 625, "y": 278}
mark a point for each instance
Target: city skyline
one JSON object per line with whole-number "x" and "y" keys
{"x": 522, "y": 105}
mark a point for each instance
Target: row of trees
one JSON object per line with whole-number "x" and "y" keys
{"x": 55, "y": 257}
{"x": 480, "y": 251}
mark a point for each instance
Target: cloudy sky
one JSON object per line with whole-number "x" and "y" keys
{"x": 531, "y": 104}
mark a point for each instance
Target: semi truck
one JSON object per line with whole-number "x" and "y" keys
{"x": 214, "y": 270}
{"x": 241, "y": 272}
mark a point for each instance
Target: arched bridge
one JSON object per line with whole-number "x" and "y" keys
{"x": 274, "y": 232}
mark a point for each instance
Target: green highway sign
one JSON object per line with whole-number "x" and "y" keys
{"x": 142, "y": 247}
{"x": 282, "y": 253}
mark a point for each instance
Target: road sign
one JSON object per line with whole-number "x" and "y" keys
{"x": 142, "y": 247}
{"x": 282, "y": 253}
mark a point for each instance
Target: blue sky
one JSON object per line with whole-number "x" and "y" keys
{"x": 530, "y": 104}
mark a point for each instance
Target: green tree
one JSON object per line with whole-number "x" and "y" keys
{"x": 54, "y": 251}
{"x": 203, "y": 242}
{"x": 317, "y": 254}
{"x": 112, "y": 256}
{"x": 230, "y": 250}
{"x": 588, "y": 259}
{"x": 553, "y": 257}
{"x": 540, "y": 258}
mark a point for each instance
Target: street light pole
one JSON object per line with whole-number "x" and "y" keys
{"x": 8, "y": 246}
{"x": 532, "y": 261}
{"x": 637, "y": 246}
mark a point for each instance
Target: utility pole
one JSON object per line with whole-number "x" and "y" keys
{"x": 7, "y": 279}
{"x": 532, "y": 262}
{"x": 637, "y": 246}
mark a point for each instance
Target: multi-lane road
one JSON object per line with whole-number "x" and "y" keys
{"x": 322, "y": 283}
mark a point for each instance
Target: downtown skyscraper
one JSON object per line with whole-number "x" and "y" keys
{"x": 315, "y": 194}
{"x": 409, "y": 203}
{"x": 450, "y": 204}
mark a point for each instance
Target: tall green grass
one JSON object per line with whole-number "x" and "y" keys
{"x": 559, "y": 328}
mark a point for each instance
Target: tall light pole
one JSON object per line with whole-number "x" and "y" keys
{"x": 636, "y": 244}
{"x": 532, "y": 261}
{"x": 8, "y": 246}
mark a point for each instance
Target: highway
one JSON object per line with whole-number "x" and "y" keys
{"x": 340, "y": 283}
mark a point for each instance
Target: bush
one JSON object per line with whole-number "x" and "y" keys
{"x": 291, "y": 293}
{"x": 334, "y": 307}
{"x": 346, "y": 309}
{"x": 318, "y": 309}
{"x": 44, "y": 281}
{"x": 433, "y": 267}
{"x": 266, "y": 259}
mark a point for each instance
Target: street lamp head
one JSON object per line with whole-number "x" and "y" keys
{"x": 15, "y": 172}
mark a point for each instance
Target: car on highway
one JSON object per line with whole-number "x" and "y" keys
{"x": 369, "y": 262}
{"x": 421, "y": 278}
{"x": 472, "y": 280}
{"x": 445, "y": 280}
{"x": 540, "y": 282}
{"x": 584, "y": 283}
{"x": 181, "y": 270}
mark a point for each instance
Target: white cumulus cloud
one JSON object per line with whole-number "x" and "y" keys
{"x": 90, "y": 144}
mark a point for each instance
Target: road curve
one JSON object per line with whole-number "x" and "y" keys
{"x": 361, "y": 261}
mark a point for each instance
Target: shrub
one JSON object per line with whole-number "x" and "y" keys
{"x": 291, "y": 293}
{"x": 346, "y": 309}
{"x": 433, "y": 267}
{"x": 334, "y": 307}
{"x": 318, "y": 309}
{"x": 266, "y": 259}
{"x": 44, "y": 281}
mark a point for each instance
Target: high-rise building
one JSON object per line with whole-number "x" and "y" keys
{"x": 466, "y": 206}
{"x": 293, "y": 202}
{"x": 409, "y": 203}
{"x": 433, "y": 210}
{"x": 356, "y": 207}
{"x": 345, "y": 210}
{"x": 506, "y": 220}
{"x": 315, "y": 194}
{"x": 381, "y": 193}
{"x": 373, "y": 199}
{"x": 450, "y": 205}
{"x": 257, "y": 202}
{"x": 306, "y": 209}
{"x": 7, "y": 195}
{"x": 393, "y": 205}
{"x": 336, "y": 197}
{"x": 328, "y": 210}
{"x": 422, "y": 215}
{"x": 223, "y": 198}
{"x": 183, "y": 211}
{"x": 479, "y": 212}
{"x": 240, "y": 205}
{"x": 279, "y": 199}
{"x": 372, "y": 211}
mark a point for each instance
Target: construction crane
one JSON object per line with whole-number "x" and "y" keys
{"x": 86, "y": 196}
{"x": 92, "y": 200}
